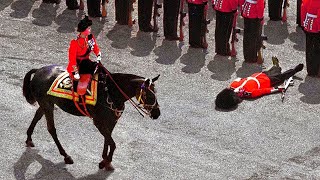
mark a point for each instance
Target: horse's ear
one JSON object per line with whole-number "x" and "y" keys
{"x": 156, "y": 78}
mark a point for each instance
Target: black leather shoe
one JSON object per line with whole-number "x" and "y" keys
{"x": 195, "y": 46}
{"x": 95, "y": 15}
{"x": 147, "y": 29}
{"x": 98, "y": 15}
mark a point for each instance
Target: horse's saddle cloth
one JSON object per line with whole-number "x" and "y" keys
{"x": 62, "y": 88}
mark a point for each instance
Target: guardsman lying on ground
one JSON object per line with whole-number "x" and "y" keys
{"x": 256, "y": 85}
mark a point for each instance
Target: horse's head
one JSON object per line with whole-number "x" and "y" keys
{"x": 147, "y": 97}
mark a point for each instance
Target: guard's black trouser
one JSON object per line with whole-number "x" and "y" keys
{"x": 72, "y": 4}
{"x": 94, "y": 8}
{"x": 144, "y": 13}
{"x": 299, "y": 2}
{"x": 276, "y": 77}
{"x": 122, "y": 9}
{"x": 224, "y": 24}
{"x": 313, "y": 53}
{"x": 275, "y": 9}
{"x": 170, "y": 17}
{"x": 252, "y": 40}
{"x": 196, "y": 24}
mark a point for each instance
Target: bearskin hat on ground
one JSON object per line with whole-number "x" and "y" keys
{"x": 84, "y": 24}
{"x": 227, "y": 99}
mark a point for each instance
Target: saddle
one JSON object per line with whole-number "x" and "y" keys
{"x": 63, "y": 87}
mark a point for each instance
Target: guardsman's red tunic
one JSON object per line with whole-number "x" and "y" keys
{"x": 310, "y": 15}
{"x": 310, "y": 21}
{"x": 256, "y": 85}
{"x": 78, "y": 51}
{"x": 197, "y": 1}
{"x": 253, "y": 9}
{"x": 227, "y": 5}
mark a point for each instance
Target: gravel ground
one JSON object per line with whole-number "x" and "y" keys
{"x": 261, "y": 139}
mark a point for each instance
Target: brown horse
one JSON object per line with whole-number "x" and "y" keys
{"x": 114, "y": 89}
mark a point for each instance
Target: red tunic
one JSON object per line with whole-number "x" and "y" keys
{"x": 253, "y": 9}
{"x": 78, "y": 48}
{"x": 197, "y": 1}
{"x": 256, "y": 85}
{"x": 227, "y": 5}
{"x": 310, "y": 15}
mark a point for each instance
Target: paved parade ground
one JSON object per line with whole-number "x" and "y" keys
{"x": 261, "y": 139}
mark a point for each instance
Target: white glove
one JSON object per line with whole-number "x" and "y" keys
{"x": 99, "y": 57}
{"x": 76, "y": 76}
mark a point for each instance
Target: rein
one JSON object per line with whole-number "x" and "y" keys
{"x": 141, "y": 111}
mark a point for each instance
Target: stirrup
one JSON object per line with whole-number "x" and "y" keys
{"x": 89, "y": 92}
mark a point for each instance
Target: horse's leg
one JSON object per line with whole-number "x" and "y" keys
{"x": 108, "y": 141}
{"x": 33, "y": 124}
{"x": 107, "y": 157}
{"x": 52, "y": 131}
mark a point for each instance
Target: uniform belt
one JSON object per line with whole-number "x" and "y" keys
{"x": 245, "y": 82}
{"x": 252, "y": 1}
{"x": 311, "y": 15}
{"x": 82, "y": 58}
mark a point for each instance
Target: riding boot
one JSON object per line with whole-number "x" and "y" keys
{"x": 83, "y": 83}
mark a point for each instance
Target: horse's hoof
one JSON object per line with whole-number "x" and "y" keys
{"x": 101, "y": 164}
{"x": 106, "y": 165}
{"x": 109, "y": 167}
{"x": 29, "y": 144}
{"x": 68, "y": 160}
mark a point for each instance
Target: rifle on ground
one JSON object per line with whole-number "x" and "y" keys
{"x": 286, "y": 84}
{"x": 260, "y": 52}
{"x": 234, "y": 37}
{"x": 204, "y": 28}
{"x": 182, "y": 15}
{"x": 130, "y": 21}
{"x": 156, "y": 6}
{"x": 103, "y": 7}
{"x": 285, "y": 5}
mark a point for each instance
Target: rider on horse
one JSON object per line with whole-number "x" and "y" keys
{"x": 80, "y": 66}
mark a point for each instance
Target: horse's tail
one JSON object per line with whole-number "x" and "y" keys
{"x": 26, "y": 87}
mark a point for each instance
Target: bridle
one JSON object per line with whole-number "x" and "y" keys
{"x": 145, "y": 109}
{"x": 142, "y": 97}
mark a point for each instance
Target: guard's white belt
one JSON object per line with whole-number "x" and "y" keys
{"x": 245, "y": 82}
{"x": 312, "y": 15}
{"x": 252, "y": 1}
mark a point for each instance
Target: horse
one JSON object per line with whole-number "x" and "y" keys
{"x": 113, "y": 90}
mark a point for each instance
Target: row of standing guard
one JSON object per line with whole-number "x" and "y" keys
{"x": 227, "y": 11}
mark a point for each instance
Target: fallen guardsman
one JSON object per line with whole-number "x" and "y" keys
{"x": 256, "y": 85}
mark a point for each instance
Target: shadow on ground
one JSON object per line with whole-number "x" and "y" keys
{"x": 49, "y": 170}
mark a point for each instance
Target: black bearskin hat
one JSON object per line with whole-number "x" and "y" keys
{"x": 227, "y": 99}
{"x": 84, "y": 24}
